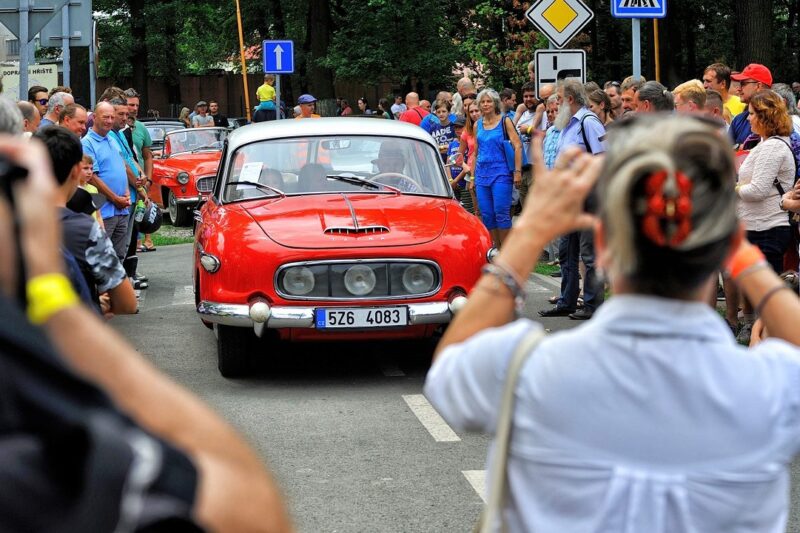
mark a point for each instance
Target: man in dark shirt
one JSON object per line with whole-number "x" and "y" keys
{"x": 82, "y": 235}
{"x": 220, "y": 121}
{"x": 92, "y": 437}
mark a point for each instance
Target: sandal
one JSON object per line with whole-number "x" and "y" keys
{"x": 147, "y": 248}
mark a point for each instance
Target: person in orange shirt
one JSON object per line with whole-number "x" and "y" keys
{"x": 306, "y": 103}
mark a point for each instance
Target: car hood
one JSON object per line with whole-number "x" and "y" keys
{"x": 201, "y": 163}
{"x": 350, "y": 220}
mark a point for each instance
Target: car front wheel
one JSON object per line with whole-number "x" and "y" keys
{"x": 179, "y": 215}
{"x": 233, "y": 350}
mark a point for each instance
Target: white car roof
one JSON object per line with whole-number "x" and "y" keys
{"x": 280, "y": 129}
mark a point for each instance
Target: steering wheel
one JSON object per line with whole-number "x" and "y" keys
{"x": 398, "y": 180}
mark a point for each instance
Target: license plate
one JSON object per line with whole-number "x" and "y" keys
{"x": 360, "y": 317}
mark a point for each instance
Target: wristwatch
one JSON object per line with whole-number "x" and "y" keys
{"x": 781, "y": 205}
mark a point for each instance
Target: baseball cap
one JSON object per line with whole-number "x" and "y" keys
{"x": 756, "y": 72}
{"x": 306, "y": 99}
{"x": 201, "y": 102}
{"x": 460, "y": 122}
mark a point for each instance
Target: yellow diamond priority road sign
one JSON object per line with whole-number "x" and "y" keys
{"x": 559, "y": 20}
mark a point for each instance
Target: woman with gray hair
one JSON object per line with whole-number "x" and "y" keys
{"x": 653, "y": 97}
{"x": 493, "y": 179}
{"x": 649, "y": 417}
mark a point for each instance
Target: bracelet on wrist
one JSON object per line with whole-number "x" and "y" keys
{"x": 766, "y": 298}
{"x": 47, "y": 295}
{"x": 744, "y": 260}
{"x": 507, "y": 278}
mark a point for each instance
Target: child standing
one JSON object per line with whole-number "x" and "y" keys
{"x": 459, "y": 172}
{"x": 442, "y": 130}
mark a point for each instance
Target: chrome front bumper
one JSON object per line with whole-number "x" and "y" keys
{"x": 188, "y": 200}
{"x": 303, "y": 317}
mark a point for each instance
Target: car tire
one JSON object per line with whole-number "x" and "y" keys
{"x": 234, "y": 346}
{"x": 179, "y": 215}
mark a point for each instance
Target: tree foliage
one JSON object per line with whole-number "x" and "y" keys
{"x": 423, "y": 46}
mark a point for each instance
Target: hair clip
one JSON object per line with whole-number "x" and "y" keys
{"x": 669, "y": 207}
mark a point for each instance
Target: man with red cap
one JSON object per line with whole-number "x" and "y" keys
{"x": 752, "y": 79}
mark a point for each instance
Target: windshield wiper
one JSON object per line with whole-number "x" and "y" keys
{"x": 355, "y": 180}
{"x": 259, "y": 186}
{"x": 206, "y": 147}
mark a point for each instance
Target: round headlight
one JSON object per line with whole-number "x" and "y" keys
{"x": 359, "y": 280}
{"x": 418, "y": 279}
{"x": 209, "y": 262}
{"x": 298, "y": 281}
{"x": 183, "y": 178}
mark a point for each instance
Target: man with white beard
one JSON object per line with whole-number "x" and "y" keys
{"x": 581, "y": 128}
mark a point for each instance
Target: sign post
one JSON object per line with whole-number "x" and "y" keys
{"x": 555, "y": 65}
{"x": 559, "y": 20}
{"x": 278, "y": 59}
{"x": 636, "y": 10}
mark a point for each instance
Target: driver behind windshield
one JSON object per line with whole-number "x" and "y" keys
{"x": 391, "y": 163}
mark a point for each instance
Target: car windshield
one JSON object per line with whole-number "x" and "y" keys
{"x": 315, "y": 165}
{"x": 194, "y": 140}
{"x": 157, "y": 132}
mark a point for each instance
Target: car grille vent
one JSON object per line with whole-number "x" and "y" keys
{"x": 361, "y": 230}
{"x": 205, "y": 184}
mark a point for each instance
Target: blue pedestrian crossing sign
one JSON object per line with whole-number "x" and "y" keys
{"x": 278, "y": 57}
{"x": 639, "y": 9}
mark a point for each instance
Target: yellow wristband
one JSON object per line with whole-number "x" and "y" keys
{"x": 47, "y": 295}
{"x": 529, "y": 130}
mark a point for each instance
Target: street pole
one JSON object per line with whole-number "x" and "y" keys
{"x": 65, "y": 57}
{"x": 244, "y": 63}
{"x": 92, "y": 66}
{"x": 24, "y": 7}
{"x": 277, "y": 96}
{"x": 637, "y": 49}
{"x": 656, "y": 49}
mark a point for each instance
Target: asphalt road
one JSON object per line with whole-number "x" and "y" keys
{"x": 344, "y": 427}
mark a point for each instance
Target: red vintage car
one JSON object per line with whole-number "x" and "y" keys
{"x": 184, "y": 172}
{"x": 331, "y": 229}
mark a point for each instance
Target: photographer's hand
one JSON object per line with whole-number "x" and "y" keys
{"x": 34, "y": 201}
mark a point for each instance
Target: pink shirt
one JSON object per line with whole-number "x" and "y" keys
{"x": 470, "y": 140}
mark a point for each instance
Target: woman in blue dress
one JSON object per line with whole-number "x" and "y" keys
{"x": 493, "y": 179}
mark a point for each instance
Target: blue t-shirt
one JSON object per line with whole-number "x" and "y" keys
{"x": 452, "y": 153}
{"x": 431, "y": 121}
{"x": 109, "y": 164}
{"x": 740, "y": 128}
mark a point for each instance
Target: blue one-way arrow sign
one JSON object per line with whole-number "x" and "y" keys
{"x": 278, "y": 57}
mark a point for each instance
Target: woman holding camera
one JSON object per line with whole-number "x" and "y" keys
{"x": 649, "y": 417}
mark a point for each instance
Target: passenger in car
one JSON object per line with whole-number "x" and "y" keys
{"x": 271, "y": 178}
{"x": 312, "y": 178}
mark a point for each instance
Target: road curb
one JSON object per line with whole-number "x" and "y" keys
{"x": 547, "y": 280}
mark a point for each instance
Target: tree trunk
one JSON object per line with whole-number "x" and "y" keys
{"x": 138, "y": 55}
{"x": 318, "y": 37}
{"x": 753, "y": 23}
{"x": 173, "y": 78}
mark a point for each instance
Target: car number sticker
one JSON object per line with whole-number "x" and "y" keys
{"x": 251, "y": 171}
{"x": 360, "y": 317}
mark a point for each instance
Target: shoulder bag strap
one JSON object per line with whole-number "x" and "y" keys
{"x": 777, "y": 183}
{"x": 497, "y": 491}
{"x": 583, "y": 131}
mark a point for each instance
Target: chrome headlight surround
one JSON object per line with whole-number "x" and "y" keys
{"x": 491, "y": 254}
{"x": 330, "y": 274}
{"x": 182, "y": 178}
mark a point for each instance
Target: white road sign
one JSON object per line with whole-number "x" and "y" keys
{"x": 559, "y": 20}
{"x": 554, "y": 65}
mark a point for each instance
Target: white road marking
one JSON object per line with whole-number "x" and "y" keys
{"x": 183, "y": 295}
{"x": 477, "y": 478}
{"x": 391, "y": 370}
{"x": 429, "y": 418}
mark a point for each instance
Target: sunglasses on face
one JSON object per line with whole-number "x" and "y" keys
{"x": 41, "y": 101}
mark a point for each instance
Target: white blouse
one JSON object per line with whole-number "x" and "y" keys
{"x": 648, "y": 418}
{"x": 759, "y": 199}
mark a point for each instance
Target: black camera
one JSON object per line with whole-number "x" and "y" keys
{"x": 10, "y": 174}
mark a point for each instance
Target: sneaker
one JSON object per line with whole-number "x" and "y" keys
{"x": 139, "y": 285}
{"x": 743, "y": 336}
